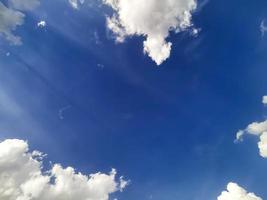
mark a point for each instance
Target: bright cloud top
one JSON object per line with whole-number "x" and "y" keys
{"x": 22, "y": 178}
{"x": 235, "y": 192}
{"x": 259, "y": 129}
{"x": 153, "y": 19}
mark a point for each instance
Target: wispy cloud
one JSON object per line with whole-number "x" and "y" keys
{"x": 263, "y": 28}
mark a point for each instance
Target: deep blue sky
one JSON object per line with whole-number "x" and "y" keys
{"x": 169, "y": 129}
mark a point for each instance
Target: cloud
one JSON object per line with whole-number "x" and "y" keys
{"x": 22, "y": 178}
{"x": 239, "y": 136}
{"x": 152, "y": 19}
{"x": 75, "y": 3}
{"x": 263, "y": 28}
{"x": 258, "y": 129}
{"x": 264, "y": 100}
{"x": 41, "y": 24}
{"x": 11, "y": 17}
{"x": 9, "y": 20}
{"x": 262, "y": 144}
{"x": 235, "y": 192}
{"x": 24, "y": 5}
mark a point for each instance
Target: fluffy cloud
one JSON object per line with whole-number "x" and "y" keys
{"x": 235, "y": 192}
{"x": 22, "y": 178}
{"x": 24, "y": 5}
{"x": 152, "y": 19}
{"x": 12, "y": 16}
{"x": 262, "y": 144}
{"x": 9, "y": 20}
{"x": 259, "y": 129}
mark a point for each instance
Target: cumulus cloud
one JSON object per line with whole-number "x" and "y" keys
{"x": 9, "y": 20}
{"x": 235, "y": 192}
{"x": 258, "y": 129}
{"x": 152, "y": 19}
{"x": 262, "y": 144}
{"x": 22, "y": 178}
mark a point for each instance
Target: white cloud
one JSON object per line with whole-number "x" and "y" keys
{"x": 11, "y": 17}
{"x": 262, "y": 144}
{"x": 263, "y": 28}
{"x": 264, "y": 100}
{"x": 152, "y": 19}
{"x": 239, "y": 136}
{"x": 41, "y": 24}
{"x": 75, "y": 3}
{"x": 24, "y": 5}
{"x": 22, "y": 178}
{"x": 235, "y": 192}
{"x": 258, "y": 129}
{"x": 9, "y": 20}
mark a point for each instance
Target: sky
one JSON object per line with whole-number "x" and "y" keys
{"x": 159, "y": 100}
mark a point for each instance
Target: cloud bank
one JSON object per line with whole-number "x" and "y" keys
{"x": 11, "y": 17}
{"x": 258, "y": 129}
{"x": 235, "y": 192}
{"x": 22, "y": 178}
{"x": 152, "y": 19}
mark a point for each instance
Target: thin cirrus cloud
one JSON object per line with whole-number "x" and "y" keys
{"x": 236, "y": 192}
{"x": 22, "y": 177}
{"x": 258, "y": 129}
{"x": 75, "y": 3}
{"x": 152, "y": 19}
{"x": 263, "y": 28}
{"x": 24, "y": 5}
{"x": 13, "y": 16}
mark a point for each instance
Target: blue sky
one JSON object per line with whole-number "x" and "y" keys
{"x": 74, "y": 93}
